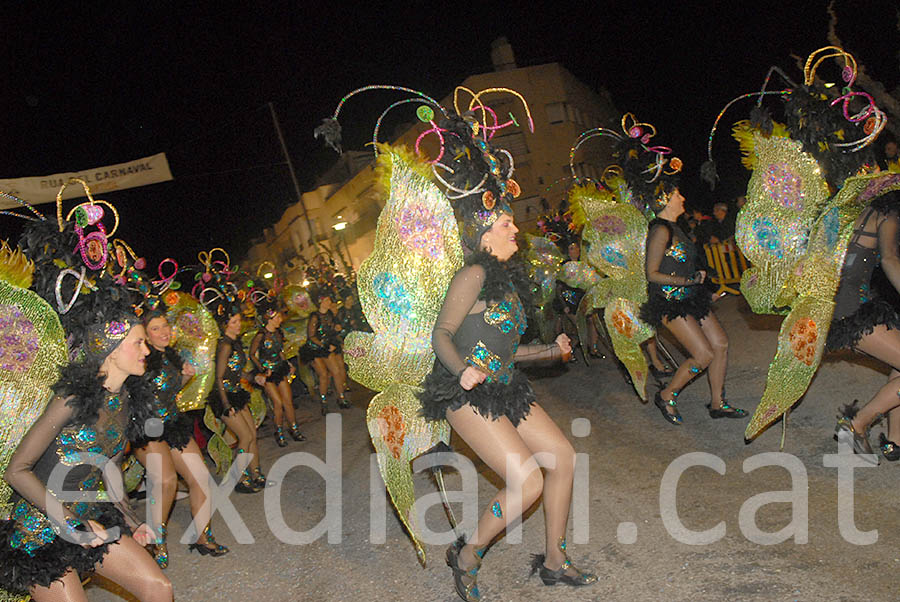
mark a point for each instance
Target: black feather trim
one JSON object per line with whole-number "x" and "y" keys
{"x": 503, "y": 277}
{"x": 441, "y": 392}
{"x": 330, "y": 131}
{"x": 846, "y": 332}
{"x": 709, "y": 174}
{"x": 19, "y": 571}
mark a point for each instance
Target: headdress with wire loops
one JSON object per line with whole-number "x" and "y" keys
{"x": 472, "y": 171}
{"x": 831, "y": 136}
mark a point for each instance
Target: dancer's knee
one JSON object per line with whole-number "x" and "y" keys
{"x": 530, "y": 482}
{"x": 701, "y": 360}
{"x": 158, "y": 589}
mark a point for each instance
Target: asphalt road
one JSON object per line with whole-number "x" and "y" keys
{"x": 637, "y": 550}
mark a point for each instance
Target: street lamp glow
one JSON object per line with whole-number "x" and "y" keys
{"x": 267, "y": 275}
{"x": 340, "y": 225}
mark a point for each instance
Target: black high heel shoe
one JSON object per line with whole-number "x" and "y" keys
{"x": 567, "y": 573}
{"x": 889, "y": 449}
{"x": 343, "y": 403}
{"x": 324, "y": 405}
{"x": 661, "y": 374}
{"x": 845, "y": 433}
{"x": 663, "y": 406}
{"x": 279, "y": 437}
{"x": 211, "y": 540}
{"x": 725, "y": 411}
{"x": 295, "y": 432}
{"x": 204, "y": 550}
{"x": 466, "y": 581}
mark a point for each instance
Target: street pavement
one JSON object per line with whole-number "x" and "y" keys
{"x": 637, "y": 550}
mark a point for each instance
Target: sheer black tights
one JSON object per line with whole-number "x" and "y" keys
{"x": 707, "y": 345}
{"x": 883, "y": 345}
{"x": 517, "y": 454}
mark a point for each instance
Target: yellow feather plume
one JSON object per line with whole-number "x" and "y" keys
{"x": 577, "y": 197}
{"x": 744, "y": 133}
{"x": 15, "y": 268}
{"x": 385, "y": 164}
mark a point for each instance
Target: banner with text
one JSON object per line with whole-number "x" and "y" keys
{"x": 43, "y": 189}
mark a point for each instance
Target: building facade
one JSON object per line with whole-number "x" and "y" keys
{"x": 561, "y": 106}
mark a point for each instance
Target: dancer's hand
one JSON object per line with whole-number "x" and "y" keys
{"x": 471, "y": 377}
{"x": 188, "y": 370}
{"x": 144, "y": 535}
{"x": 98, "y": 535}
{"x": 565, "y": 343}
{"x": 260, "y": 380}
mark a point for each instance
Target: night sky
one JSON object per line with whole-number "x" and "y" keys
{"x": 91, "y": 87}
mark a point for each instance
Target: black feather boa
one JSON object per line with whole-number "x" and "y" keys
{"x": 154, "y": 360}
{"x": 819, "y": 127}
{"x": 83, "y": 383}
{"x": 502, "y": 277}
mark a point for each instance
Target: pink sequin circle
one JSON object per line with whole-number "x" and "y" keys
{"x": 609, "y": 224}
{"x": 190, "y": 325}
{"x": 784, "y": 186}
{"x": 420, "y": 230}
{"x": 19, "y": 341}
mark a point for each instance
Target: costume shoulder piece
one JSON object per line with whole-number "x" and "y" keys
{"x": 196, "y": 334}
{"x": 401, "y": 289}
{"x": 615, "y": 234}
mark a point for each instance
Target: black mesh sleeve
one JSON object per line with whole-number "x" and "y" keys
{"x": 461, "y": 297}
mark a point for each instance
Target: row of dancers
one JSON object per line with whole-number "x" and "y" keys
{"x": 113, "y": 390}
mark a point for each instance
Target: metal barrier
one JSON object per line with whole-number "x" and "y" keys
{"x": 728, "y": 263}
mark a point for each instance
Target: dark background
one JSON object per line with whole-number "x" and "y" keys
{"x": 85, "y": 88}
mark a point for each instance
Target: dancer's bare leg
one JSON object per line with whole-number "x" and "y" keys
{"x": 882, "y": 344}
{"x": 504, "y": 451}
{"x": 555, "y": 454}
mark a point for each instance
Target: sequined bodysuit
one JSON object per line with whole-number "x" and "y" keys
{"x": 71, "y": 448}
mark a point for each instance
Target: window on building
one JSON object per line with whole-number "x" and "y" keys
{"x": 514, "y": 142}
{"x": 556, "y": 112}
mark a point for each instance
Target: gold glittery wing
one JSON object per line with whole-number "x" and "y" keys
{"x": 785, "y": 194}
{"x": 801, "y": 341}
{"x": 402, "y": 285}
{"x": 544, "y": 260}
{"x": 33, "y": 349}
{"x": 196, "y": 333}
{"x": 789, "y": 197}
{"x": 615, "y": 234}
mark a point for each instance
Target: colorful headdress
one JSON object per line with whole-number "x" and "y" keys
{"x": 643, "y": 175}
{"x": 74, "y": 273}
{"x": 214, "y": 288}
{"x": 476, "y": 175}
{"x": 834, "y": 123}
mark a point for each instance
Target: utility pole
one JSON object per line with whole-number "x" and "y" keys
{"x": 287, "y": 159}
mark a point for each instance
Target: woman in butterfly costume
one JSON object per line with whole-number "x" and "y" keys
{"x": 474, "y": 329}
{"x": 819, "y": 218}
{"x": 267, "y": 354}
{"x": 75, "y": 446}
{"x": 179, "y": 454}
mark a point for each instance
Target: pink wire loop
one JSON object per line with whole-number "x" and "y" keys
{"x": 660, "y": 150}
{"x": 166, "y": 281}
{"x": 846, "y": 98}
{"x": 434, "y": 129}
